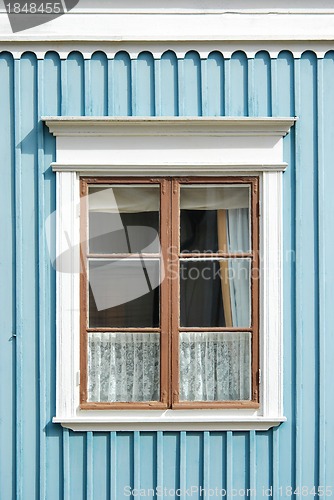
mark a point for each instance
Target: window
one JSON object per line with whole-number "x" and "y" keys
{"x": 169, "y": 302}
{"x": 197, "y": 173}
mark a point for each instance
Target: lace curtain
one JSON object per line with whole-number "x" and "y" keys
{"x": 215, "y": 366}
{"x": 123, "y": 367}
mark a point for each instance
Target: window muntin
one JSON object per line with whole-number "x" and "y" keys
{"x": 238, "y": 338}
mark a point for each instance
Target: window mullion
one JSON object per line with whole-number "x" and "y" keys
{"x": 175, "y": 299}
{"x": 165, "y": 235}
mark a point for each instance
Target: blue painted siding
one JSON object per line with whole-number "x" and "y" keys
{"x": 40, "y": 460}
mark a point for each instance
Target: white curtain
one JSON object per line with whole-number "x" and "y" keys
{"x": 237, "y": 230}
{"x": 133, "y": 199}
{"x": 215, "y": 366}
{"x": 123, "y": 367}
{"x": 237, "y": 222}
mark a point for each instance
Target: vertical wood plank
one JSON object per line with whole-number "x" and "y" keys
{"x": 194, "y": 460}
{"x": 125, "y": 462}
{"x": 160, "y": 460}
{"x": 148, "y": 462}
{"x": 217, "y": 461}
{"x": 7, "y": 278}
{"x": 299, "y": 284}
{"x": 306, "y": 271}
{"x": 119, "y": 85}
{"x": 89, "y": 466}
{"x": 263, "y": 462}
{"x": 76, "y": 469}
{"x": 136, "y": 460}
{"x": 183, "y": 463}
{"x": 252, "y": 460}
{"x": 252, "y": 103}
{"x": 238, "y": 90}
{"x": 275, "y": 465}
{"x": 284, "y": 105}
{"x": 260, "y": 98}
{"x": 27, "y": 277}
{"x": 190, "y": 92}
{"x": 42, "y": 306}
{"x": 112, "y": 472}
{"x": 47, "y": 316}
{"x": 229, "y": 464}
{"x": 322, "y": 271}
{"x": 213, "y": 85}
{"x": 172, "y": 458}
{"x": 206, "y": 464}
{"x": 66, "y": 466}
{"x": 240, "y": 464}
{"x": 326, "y": 267}
{"x": 18, "y": 281}
{"x": 73, "y": 85}
{"x": 101, "y": 466}
{"x": 167, "y": 85}
{"x": 143, "y": 98}
{"x": 96, "y": 85}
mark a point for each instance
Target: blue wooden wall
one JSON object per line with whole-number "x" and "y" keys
{"x": 40, "y": 460}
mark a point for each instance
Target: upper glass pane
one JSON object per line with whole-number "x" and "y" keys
{"x": 215, "y": 218}
{"x": 124, "y": 219}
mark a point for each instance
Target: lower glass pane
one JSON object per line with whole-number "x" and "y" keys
{"x": 123, "y": 367}
{"x": 215, "y": 366}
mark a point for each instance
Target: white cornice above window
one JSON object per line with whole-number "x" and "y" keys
{"x": 168, "y": 146}
{"x": 143, "y": 126}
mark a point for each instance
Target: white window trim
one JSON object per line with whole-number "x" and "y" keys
{"x": 172, "y": 146}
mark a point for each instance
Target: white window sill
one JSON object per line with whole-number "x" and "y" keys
{"x": 170, "y": 420}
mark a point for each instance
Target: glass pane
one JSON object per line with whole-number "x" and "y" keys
{"x": 215, "y": 366}
{"x": 124, "y": 219}
{"x": 214, "y": 218}
{"x": 123, "y": 367}
{"x": 215, "y": 293}
{"x": 124, "y": 293}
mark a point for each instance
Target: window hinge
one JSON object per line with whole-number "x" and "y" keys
{"x": 78, "y": 378}
{"x": 258, "y": 209}
{"x": 259, "y": 376}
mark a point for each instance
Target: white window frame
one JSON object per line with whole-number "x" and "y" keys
{"x": 157, "y": 146}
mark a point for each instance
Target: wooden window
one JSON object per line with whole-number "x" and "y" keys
{"x": 169, "y": 309}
